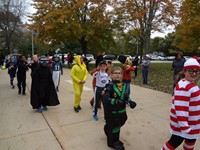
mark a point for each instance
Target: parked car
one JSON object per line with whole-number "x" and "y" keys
{"x": 129, "y": 56}
{"x": 109, "y": 57}
{"x": 90, "y": 57}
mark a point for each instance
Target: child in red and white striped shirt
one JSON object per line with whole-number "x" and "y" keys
{"x": 185, "y": 110}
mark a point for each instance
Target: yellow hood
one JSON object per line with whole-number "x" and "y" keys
{"x": 77, "y": 59}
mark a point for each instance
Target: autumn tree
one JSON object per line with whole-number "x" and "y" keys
{"x": 188, "y": 31}
{"x": 11, "y": 12}
{"x": 145, "y": 16}
{"x": 72, "y": 21}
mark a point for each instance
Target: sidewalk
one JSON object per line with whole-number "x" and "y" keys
{"x": 60, "y": 128}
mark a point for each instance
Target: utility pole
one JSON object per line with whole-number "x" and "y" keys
{"x": 32, "y": 43}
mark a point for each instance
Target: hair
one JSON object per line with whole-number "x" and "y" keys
{"x": 180, "y": 76}
{"x": 114, "y": 68}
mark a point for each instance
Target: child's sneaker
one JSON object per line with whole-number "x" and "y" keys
{"x": 76, "y": 110}
{"x": 40, "y": 109}
{"x": 79, "y": 107}
{"x": 45, "y": 108}
{"x": 95, "y": 117}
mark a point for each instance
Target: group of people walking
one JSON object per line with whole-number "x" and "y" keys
{"x": 112, "y": 90}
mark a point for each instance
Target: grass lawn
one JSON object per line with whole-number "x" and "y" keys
{"x": 160, "y": 77}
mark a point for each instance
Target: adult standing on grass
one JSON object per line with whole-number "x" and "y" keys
{"x": 177, "y": 65}
{"x": 79, "y": 75}
{"x": 185, "y": 111}
{"x": 145, "y": 69}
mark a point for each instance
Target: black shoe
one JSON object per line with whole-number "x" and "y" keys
{"x": 79, "y": 107}
{"x": 24, "y": 93}
{"x": 19, "y": 92}
{"x": 76, "y": 109}
{"x": 119, "y": 145}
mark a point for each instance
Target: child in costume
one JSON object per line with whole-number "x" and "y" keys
{"x": 126, "y": 71}
{"x": 12, "y": 67}
{"x": 79, "y": 75}
{"x": 43, "y": 91}
{"x": 57, "y": 70}
{"x": 108, "y": 71}
{"x": 185, "y": 110}
{"x": 101, "y": 80}
{"x": 114, "y": 102}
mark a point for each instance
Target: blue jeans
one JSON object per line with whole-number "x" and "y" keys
{"x": 145, "y": 76}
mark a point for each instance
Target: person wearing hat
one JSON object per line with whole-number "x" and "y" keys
{"x": 43, "y": 91}
{"x": 185, "y": 110}
{"x": 101, "y": 81}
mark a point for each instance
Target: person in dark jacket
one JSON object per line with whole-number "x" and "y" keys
{"x": 43, "y": 92}
{"x": 177, "y": 66}
{"x": 114, "y": 102}
{"x": 12, "y": 67}
{"x": 135, "y": 62}
{"x": 22, "y": 66}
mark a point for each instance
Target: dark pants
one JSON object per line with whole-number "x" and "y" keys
{"x": 135, "y": 71}
{"x": 12, "y": 76}
{"x": 145, "y": 76}
{"x": 175, "y": 141}
{"x": 112, "y": 128}
{"x": 21, "y": 83}
{"x": 97, "y": 98}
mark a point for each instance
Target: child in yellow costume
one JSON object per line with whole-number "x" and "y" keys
{"x": 79, "y": 75}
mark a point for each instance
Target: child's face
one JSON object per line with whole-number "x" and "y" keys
{"x": 191, "y": 74}
{"x": 116, "y": 75}
{"x": 103, "y": 67}
{"x": 11, "y": 59}
{"x": 23, "y": 58}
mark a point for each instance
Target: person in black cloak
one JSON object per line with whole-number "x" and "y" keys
{"x": 43, "y": 91}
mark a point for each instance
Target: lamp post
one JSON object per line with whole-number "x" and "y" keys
{"x": 32, "y": 44}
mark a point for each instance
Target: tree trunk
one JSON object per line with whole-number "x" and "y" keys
{"x": 147, "y": 41}
{"x": 83, "y": 45}
{"x": 141, "y": 46}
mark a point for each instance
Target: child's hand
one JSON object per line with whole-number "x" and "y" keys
{"x": 95, "y": 73}
{"x": 102, "y": 92}
{"x": 119, "y": 102}
{"x": 132, "y": 104}
{"x": 82, "y": 82}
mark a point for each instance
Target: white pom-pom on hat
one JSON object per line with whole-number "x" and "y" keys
{"x": 191, "y": 64}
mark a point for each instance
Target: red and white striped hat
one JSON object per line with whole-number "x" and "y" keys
{"x": 192, "y": 64}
